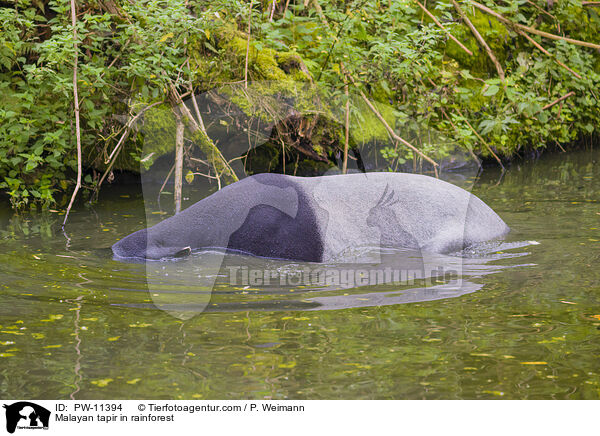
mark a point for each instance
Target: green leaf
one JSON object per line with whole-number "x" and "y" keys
{"x": 492, "y": 90}
{"x": 189, "y": 177}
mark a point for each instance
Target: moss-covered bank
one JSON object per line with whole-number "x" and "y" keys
{"x": 542, "y": 91}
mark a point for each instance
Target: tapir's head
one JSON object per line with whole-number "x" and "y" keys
{"x": 146, "y": 244}
{"x": 210, "y": 222}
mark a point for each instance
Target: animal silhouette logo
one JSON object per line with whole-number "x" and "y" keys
{"x": 391, "y": 229}
{"x": 26, "y": 415}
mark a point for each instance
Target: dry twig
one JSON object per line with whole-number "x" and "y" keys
{"x": 546, "y": 52}
{"x": 346, "y": 129}
{"x": 481, "y": 139}
{"x": 441, "y": 26}
{"x": 558, "y": 100}
{"x": 76, "y": 107}
{"x": 531, "y": 29}
{"x": 480, "y": 39}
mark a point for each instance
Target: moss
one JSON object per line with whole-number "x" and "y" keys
{"x": 272, "y": 73}
{"x": 327, "y": 132}
{"x": 293, "y": 65}
{"x": 159, "y": 134}
{"x": 370, "y": 128}
{"x": 261, "y": 63}
{"x": 379, "y": 93}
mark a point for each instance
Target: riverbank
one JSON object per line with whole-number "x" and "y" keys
{"x": 395, "y": 82}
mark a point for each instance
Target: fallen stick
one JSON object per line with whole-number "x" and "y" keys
{"x": 441, "y": 26}
{"x": 558, "y": 100}
{"x": 480, "y": 39}
{"x": 546, "y": 52}
{"x": 387, "y": 126}
{"x": 346, "y": 130}
{"x": 532, "y": 30}
{"x": 481, "y": 139}
{"x": 76, "y": 108}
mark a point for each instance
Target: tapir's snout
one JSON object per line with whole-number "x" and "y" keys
{"x": 141, "y": 245}
{"x": 132, "y": 246}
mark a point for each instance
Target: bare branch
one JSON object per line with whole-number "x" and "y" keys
{"x": 179, "y": 131}
{"x": 531, "y": 29}
{"x": 481, "y": 139}
{"x": 558, "y": 100}
{"x": 128, "y": 129}
{"x": 346, "y": 130}
{"x": 480, "y": 39}
{"x": 387, "y": 126}
{"x": 441, "y": 26}
{"x": 165, "y": 182}
{"x": 546, "y": 52}
{"x": 76, "y": 107}
{"x": 115, "y": 153}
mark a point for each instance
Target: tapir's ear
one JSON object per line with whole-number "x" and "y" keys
{"x": 184, "y": 252}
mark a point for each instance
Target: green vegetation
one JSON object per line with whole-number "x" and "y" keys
{"x": 135, "y": 54}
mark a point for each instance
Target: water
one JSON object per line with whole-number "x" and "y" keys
{"x": 523, "y": 323}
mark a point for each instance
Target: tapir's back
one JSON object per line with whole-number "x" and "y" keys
{"x": 398, "y": 210}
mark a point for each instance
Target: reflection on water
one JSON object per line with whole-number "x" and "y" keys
{"x": 220, "y": 282}
{"x": 517, "y": 318}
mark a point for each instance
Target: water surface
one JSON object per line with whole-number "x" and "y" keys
{"x": 523, "y": 321}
